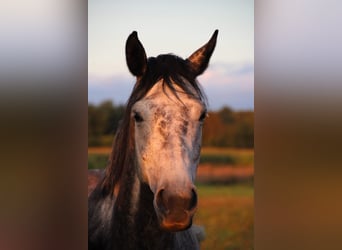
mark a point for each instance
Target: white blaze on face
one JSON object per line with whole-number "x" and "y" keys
{"x": 168, "y": 135}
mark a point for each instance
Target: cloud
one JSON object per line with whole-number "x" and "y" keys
{"x": 228, "y": 72}
{"x": 228, "y": 84}
{"x": 116, "y": 88}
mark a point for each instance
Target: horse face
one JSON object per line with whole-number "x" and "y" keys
{"x": 168, "y": 141}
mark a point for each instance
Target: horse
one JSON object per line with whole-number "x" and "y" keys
{"x": 146, "y": 197}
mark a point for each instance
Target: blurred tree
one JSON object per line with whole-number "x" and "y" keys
{"x": 227, "y": 115}
{"x": 96, "y": 121}
{"x": 112, "y": 115}
{"x": 103, "y": 121}
{"x": 244, "y": 136}
{"x": 213, "y": 130}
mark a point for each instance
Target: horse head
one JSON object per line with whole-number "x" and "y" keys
{"x": 167, "y": 123}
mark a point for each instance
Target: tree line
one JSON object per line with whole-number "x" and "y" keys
{"x": 222, "y": 128}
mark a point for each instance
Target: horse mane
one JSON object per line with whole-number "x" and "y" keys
{"x": 173, "y": 70}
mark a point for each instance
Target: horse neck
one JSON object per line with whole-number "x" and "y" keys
{"x": 135, "y": 224}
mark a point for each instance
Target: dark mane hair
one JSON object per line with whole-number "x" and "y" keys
{"x": 173, "y": 70}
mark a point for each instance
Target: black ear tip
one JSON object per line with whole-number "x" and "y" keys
{"x": 134, "y": 34}
{"x": 215, "y": 33}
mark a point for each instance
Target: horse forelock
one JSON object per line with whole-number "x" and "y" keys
{"x": 173, "y": 70}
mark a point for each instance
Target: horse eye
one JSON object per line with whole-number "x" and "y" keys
{"x": 203, "y": 116}
{"x": 137, "y": 117}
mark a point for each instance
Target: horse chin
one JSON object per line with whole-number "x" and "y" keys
{"x": 175, "y": 227}
{"x": 171, "y": 224}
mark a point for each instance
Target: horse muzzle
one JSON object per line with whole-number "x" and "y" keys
{"x": 175, "y": 209}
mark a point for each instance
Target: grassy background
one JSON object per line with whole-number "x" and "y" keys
{"x": 227, "y": 213}
{"x": 97, "y": 160}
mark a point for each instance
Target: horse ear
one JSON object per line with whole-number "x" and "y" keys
{"x": 199, "y": 60}
{"x": 135, "y": 55}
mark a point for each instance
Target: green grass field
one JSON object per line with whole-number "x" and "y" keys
{"x": 227, "y": 214}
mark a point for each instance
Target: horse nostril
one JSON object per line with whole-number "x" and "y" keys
{"x": 193, "y": 200}
{"x": 161, "y": 202}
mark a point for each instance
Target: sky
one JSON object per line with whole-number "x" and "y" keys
{"x": 178, "y": 27}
